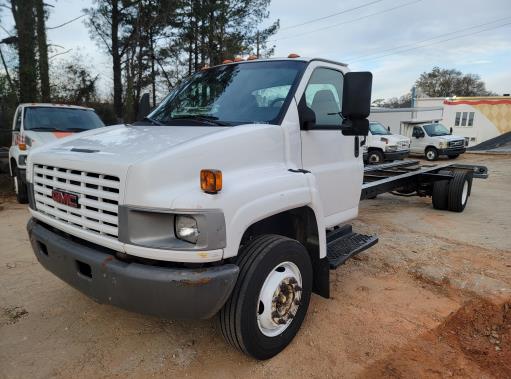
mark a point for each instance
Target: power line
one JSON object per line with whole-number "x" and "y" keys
{"x": 333, "y": 14}
{"x": 347, "y": 22}
{"x": 377, "y": 52}
{"x": 65, "y": 23}
{"x": 437, "y": 42}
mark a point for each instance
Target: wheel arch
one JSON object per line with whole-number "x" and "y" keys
{"x": 299, "y": 224}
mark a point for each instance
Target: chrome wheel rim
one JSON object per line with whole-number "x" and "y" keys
{"x": 430, "y": 154}
{"x": 16, "y": 185}
{"x": 279, "y": 299}
{"x": 464, "y": 194}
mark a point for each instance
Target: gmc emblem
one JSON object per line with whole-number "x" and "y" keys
{"x": 66, "y": 198}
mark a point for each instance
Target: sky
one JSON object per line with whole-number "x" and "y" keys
{"x": 396, "y": 40}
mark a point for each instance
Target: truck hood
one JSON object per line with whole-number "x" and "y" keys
{"x": 449, "y": 138}
{"x": 125, "y": 143}
{"x": 395, "y": 138}
{"x": 39, "y": 138}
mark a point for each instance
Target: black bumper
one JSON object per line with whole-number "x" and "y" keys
{"x": 452, "y": 151}
{"x": 174, "y": 293}
{"x": 395, "y": 155}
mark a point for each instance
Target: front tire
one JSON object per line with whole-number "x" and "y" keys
{"x": 20, "y": 187}
{"x": 375, "y": 157}
{"x": 431, "y": 154}
{"x": 271, "y": 296}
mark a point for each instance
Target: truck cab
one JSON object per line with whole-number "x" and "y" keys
{"x": 381, "y": 145}
{"x": 36, "y": 124}
{"x": 433, "y": 139}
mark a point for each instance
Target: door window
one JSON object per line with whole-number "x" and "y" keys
{"x": 17, "y": 124}
{"x": 324, "y": 96}
{"x": 417, "y": 132}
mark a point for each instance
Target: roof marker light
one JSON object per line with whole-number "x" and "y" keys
{"x": 225, "y": 61}
{"x": 293, "y": 55}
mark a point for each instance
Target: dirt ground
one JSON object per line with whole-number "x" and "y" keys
{"x": 432, "y": 299}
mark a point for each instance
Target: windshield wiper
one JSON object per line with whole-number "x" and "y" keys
{"x": 211, "y": 120}
{"x": 152, "y": 121}
{"x": 42, "y": 128}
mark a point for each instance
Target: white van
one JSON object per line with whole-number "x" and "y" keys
{"x": 381, "y": 145}
{"x": 433, "y": 139}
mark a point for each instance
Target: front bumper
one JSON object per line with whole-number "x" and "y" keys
{"x": 174, "y": 293}
{"x": 395, "y": 155}
{"x": 452, "y": 150}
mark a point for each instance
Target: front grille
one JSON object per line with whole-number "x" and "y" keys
{"x": 456, "y": 143}
{"x": 98, "y": 198}
{"x": 402, "y": 145}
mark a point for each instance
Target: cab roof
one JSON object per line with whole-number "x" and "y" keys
{"x": 48, "y": 105}
{"x": 302, "y": 59}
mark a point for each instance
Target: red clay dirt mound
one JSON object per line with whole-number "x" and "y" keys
{"x": 475, "y": 341}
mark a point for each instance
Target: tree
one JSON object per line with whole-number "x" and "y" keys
{"x": 73, "y": 82}
{"x": 42, "y": 48}
{"x": 107, "y": 21}
{"x": 451, "y": 82}
{"x": 24, "y": 19}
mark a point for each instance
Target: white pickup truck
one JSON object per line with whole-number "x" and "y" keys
{"x": 433, "y": 139}
{"x": 36, "y": 124}
{"x": 231, "y": 198}
{"x": 381, "y": 145}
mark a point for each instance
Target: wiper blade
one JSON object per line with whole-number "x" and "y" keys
{"x": 71, "y": 130}
{"x": 42, "y": 128}
{"x": 211, "y": 120}
{"x": 152, "y": 121}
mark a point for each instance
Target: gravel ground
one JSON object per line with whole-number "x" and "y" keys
{"x": 432, "y": 299}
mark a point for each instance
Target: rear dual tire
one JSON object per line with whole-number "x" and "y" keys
{"x": 452, "y": 194}
{"x": 271, "y": 296}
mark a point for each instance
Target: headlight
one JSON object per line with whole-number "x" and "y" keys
{"x": 442, "y": 145}
{"x": 391, "y": 148}
{"x": 186, "y": 228}
{"x": 383, "y": 139}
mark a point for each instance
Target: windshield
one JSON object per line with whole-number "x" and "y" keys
{"x": 435, "y": 130}
{"x": 231, "y": 94}
{"x": 378, "y": 129}
{"x": 60, "y": 119}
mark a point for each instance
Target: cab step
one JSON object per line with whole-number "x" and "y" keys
{"x": 343, "y": 243}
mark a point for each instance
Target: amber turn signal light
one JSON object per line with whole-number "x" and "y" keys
{"x": 22, "y": 146}
{"x": 211, "y": 180}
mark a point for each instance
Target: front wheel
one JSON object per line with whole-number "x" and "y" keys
{"x": 20, "y": 187}
{"x": 270, "y": 298}
{"x": 431, "y": 154}
{"x": 375, "y": 157}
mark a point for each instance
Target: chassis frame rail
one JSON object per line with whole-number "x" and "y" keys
{"x": 411, "y": 176}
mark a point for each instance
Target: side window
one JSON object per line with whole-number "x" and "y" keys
{"x": 324, "y": 96}
{"x": 416, "y": 131}
{"x": 17, "y": 124}
{"x": 471, "y": 119}
{"x": 464, "y": 119}
{"x": 457, "y": 120}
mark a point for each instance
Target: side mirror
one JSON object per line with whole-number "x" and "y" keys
{"x": 356, "y": 103}
{"x": 143, "y": 107}
{"x": 450, "y": 130}
{"x": 307, "y": 116}
{"x": 388, "y": 129}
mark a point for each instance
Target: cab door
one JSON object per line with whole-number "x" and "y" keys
{"x": 418, "y": 143}
{"x": 334, "y": 159}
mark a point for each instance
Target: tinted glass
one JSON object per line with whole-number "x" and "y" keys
{"x": 378, "y": 129}
{"x": 324, "y": 96}
{"x": 61, "y": 119}
{"x": 435, "y": 130}
{"x": 232, "y": 94}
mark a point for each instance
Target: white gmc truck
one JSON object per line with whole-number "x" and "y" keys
{"x": 231, "y": 198}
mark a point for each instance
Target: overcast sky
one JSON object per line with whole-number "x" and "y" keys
{"x": 395, "y": 39}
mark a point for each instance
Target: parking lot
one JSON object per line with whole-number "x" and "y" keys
{"x": 431, "y": 299}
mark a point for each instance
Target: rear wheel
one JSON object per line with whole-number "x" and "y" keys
{"x": 431, "y": 154}
{"x": 270, "y": 298}
{"x": 20, "y": 187}
{"x": 440, "y": 192}
{"x": 375, "y": 157}
{"x": 459, "y": 191}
